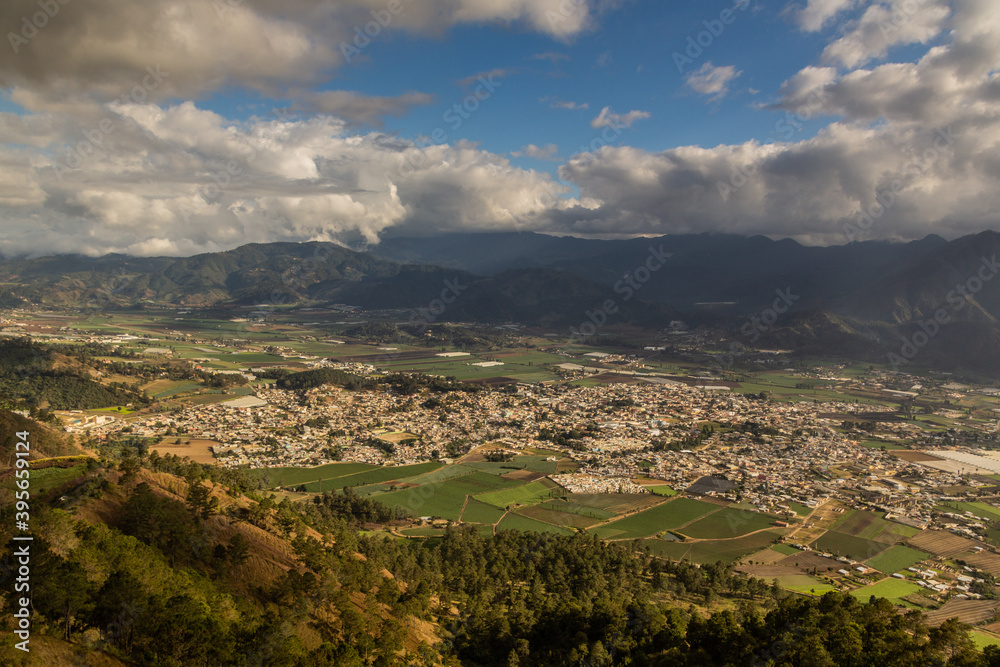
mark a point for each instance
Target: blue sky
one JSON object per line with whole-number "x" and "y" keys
{"x": 180, "y": 126}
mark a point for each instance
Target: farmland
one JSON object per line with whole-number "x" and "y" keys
{"x": 896, "y": 558}
{"x": 666, "y": 516}
{"x": 710, "y": 551}
{"x": 893, "y": 590}
{"x": 529, "y": 494}
{"x": 841, "y": 544}
{"x": 728, "y": 522}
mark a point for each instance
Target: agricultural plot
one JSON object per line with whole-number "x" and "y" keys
{"x": 728, "y": 522}
{"x": 562, "y": 505}
{"x": 786, "y": 549}
{"x": 894, "y": 590}
{"x": 515, "y": 521}
{"x": 294, "y": 476}
{"x": 375, "y": 476}
{"x": 984, "y": 561}
{"x": 528, "y": 494}
{"x": 940, "y": 543}
{"x": 666, "y": 516}
{"x": 872, "y": 526}
{"x": 849, "y": 546}
{"x": 896, "y": 558}
{"x": 443, "y": 499}
{"x": 616, "y": 503}
{"x": 479, "y": 512}
{"x": 966, "y": 611}
{"x": 710, "y": 551}
{"x": 982, "y": 510}
{"x": 800, "y": 509}
{"x": 555, "y": 517}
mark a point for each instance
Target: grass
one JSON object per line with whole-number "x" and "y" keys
{"x": 561, "y": 505}
{"x": 46, "y": 479}
{"x": 897, "y": 558}
{"x": 293, "y": 476}
{"x": 529, "y": 494}
{"x": 375, "y": 476}
{"x": 616, "y": 503}
{"x": 555, "y": 517}
{"x": 983, "y": 639}
{"x": 662, "y": 490}
{"x": 666, "y": 516}
{"x": 800, "y": 509}
{"x": 710, "y": 551}
{"x": 479, "y": 512}
{"x": 849, "y": 546}
{"x": 891, "y": 589}
{"x": 514, "y": 521}
{"x": 728, "y": 523}
{"x": 786, "y": 549}
{"x": 443, "y": 499}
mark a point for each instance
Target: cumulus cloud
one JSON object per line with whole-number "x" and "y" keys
{"x": 887, "y": 24}
{"x": 179, "y": 179}
{"x": 608, "y": 118}
{"x": 817, "y": 13}
{"x": 711, "y": 80}
{"x": 101, "y": 48}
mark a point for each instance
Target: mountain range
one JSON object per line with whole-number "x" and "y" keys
{"x": 864, "y": 296}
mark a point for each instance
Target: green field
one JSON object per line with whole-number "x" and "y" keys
{"x": 800, "y": 509}
{"x": 46, "y": 479}
{"x": 478, "y": 512}
{"x": 561, "y": 505}
{"x": 786, "y": 549}
{"x": 891, "y": 589}
{"x": 295, "y": 476}
{"x": 514, "y": 521}
{"x": 444, "y": 499}
{"x": 710, "y": 551}
{"x": 568, "y": 519}
{"x": 983, "y": 639}
{"x": 849, "y": 546}
{"x": 616, "y": 503}
{"x": 897, "y": 558}
{"x": 376, "y": 476}
{"x": 666, "y": 516}
{"x": 872, "y": 526}
{"x": 728, "y": 522}
{"x": 980, "y": 509}
{"x": 529, "y": 494}
{"x": 662, "y": 490}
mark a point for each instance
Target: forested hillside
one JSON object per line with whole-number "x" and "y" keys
{"x": 149, "y": 560}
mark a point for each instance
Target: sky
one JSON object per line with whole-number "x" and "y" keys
{"x": 175, "y": 127}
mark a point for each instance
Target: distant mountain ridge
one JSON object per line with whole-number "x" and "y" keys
{"x": 863, "y": 295}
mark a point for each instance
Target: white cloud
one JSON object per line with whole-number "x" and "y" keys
{"x": 887, "y": 24}
{"x": 179, "y": 180}
{"x": 818, "y": 13}
{"x": 711, "y": 80}
{"x": 608, "y": 118}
